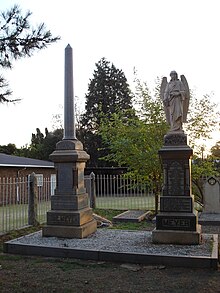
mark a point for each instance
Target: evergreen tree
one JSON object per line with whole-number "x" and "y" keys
{"x": 9, "y": 149}
{"x": 108, "y": 93}
{"x": 42, "y": 145}
{"x": 18, "y": 40}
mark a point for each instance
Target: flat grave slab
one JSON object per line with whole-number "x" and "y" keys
{"x": 132, "y": 216}
{"x": 212, "y": 219}
{"x": 119, "y": 246}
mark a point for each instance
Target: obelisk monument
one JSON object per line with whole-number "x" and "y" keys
{"x": 70, "y": 216}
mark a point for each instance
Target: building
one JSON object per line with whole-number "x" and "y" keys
{"x": 14, "y": 166}
{"x": 14, "y": 177}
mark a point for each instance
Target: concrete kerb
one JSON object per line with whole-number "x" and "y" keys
{"x": 14, "y": 247}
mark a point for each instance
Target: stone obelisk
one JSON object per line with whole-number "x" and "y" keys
{"x": 70, "y": 216}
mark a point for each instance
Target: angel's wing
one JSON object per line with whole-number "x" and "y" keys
{"x": 165, "y": 103}
{"x": 187, "y": 97}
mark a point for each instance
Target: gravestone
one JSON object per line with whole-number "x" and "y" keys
{"x": 177, "y": 221}
{"x": 70, "y": 215}
{"x": 211, "y": 195}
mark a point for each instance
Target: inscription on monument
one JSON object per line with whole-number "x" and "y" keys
{"x": 175, "y": 179}
{"x": 175, "y": 204}
{"x": 176, "y": 223}
{"x": 60, "y": 219}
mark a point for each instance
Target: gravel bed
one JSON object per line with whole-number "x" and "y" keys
{"x": 120, "y": 241}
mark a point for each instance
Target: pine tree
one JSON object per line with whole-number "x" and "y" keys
{"x": 18, "y": 40}
{"x": 108, "y": 93}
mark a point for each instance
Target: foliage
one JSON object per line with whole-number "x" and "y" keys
{"x": 203, "y": 119}
{"x": 19, "y": 40}
{"x": 134, "y": 141}
{"x": 42, "y": 145}
{"x": 9, "y": 149}
{"x": 108, "y": 92}
{"x": 202, "y": 169}
{"x": 215, "y": 150}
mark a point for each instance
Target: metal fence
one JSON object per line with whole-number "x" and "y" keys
{"x": 25, "y": 201}
{"x": 13, "y": 203}
{"x": 123, "y": 192}
{"x": 22, "y": 201}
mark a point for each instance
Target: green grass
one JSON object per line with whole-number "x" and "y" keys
{"x": 126, "y": 203}
{"x": 110, "y": 214}
{"x": 15, "y": 234}
{"x": 132, "y": 226}
{"x": 16, "y": 216}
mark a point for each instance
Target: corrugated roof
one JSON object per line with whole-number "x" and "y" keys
{"x": 15, "y": 161}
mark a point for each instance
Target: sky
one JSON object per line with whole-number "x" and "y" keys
{"x": 154, "y": 36}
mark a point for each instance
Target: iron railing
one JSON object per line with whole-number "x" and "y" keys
{"x": 25, "y": 201}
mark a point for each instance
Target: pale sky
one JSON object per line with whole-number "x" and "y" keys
{"x": 154, "y": 36}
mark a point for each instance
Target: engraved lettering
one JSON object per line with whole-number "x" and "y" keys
{"x": 176, "y": 223}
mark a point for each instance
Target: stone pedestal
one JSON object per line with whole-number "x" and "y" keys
{"x": 70, "y": 215}
{"x": 177, "y": 222}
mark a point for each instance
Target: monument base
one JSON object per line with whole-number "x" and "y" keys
{"x": 70, "y": 224}
{"x": 70, "y": 231}
{"x": 177, "y": 237}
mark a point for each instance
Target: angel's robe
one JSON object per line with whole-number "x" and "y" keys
{"x": 174, "y": 95}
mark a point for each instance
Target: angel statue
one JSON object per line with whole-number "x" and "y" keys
{"x": 175, "y": 96}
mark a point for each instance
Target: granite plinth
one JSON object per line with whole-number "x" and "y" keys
{"x": 176, "y": 168}
{"x": 177, "y": 221}
{"x": 69, "y": 218}
{"x": 177, "y": 237}
{"x": 69, "y": 202}
{"x": 70, "y": 231}
{"x": 176, "y": 204}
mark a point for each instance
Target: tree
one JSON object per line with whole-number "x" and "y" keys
{"x": 134, "y": 143}
{"x": 202, "y": 168}
{"x": 108, "y": 93}
{"x": 203, "y": 119}
{"x": 9, "y": 149}
{"x": 215, "y": 150}
{"x": 19, "y": 40}
{"x": 42, "y": 145}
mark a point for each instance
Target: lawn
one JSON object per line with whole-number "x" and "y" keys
{"x": 16, "y": 216}
{"x": 125, "y": 203}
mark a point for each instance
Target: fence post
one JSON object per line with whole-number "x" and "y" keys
{"x": 93, "y": 193}
{"x": 32, "y": 201}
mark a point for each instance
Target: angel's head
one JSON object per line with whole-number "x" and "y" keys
{"x": 173, "y": 75}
